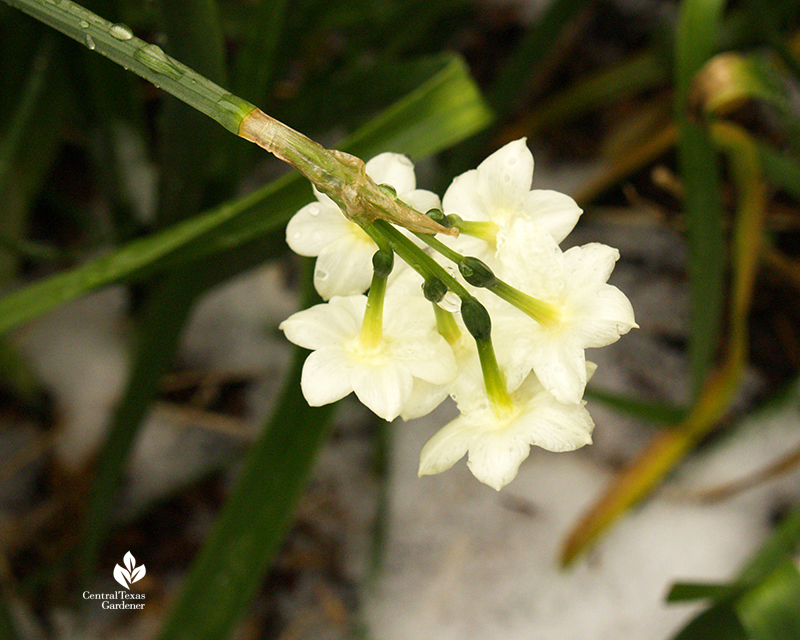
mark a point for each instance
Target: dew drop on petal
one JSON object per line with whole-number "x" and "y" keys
{"x": 90, "y": 43}
{"x": 313, "y": 210}
{"x": 321, "y": 275}
{"x": 315, "y": 236}
{"x": 297, "y": 235}
{"x": 84, "y": 24}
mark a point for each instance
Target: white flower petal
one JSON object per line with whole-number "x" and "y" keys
{"x": 324, "y": 325}
{"x": 314, "y": 227}
{"x": 421, "y": 200}
{"x": 325, "y": 377}
{"x": 424, "y": 398}
{"x": 463, "y": 199}
{"x": 560, "y": 366}
{"x": 554, "y": 211}
{"x": 590, "y": 264}
{"x": 603, "y": 318}
{"x": 555, "y": 426}
{"x": 504, "y": 179}
{"x": 404, "y": 281}
{"x": 394, "y": 169}
{"x": 383, "y": 389}
{"x": 431, "y": 360}
{"x": 494, "y": 458}
{"x": 408, "y": 315}
{"x": 323, "y": 199}
{"x": 531, "y": 259}
{"x": 343, "y": 269}
{"x": 446, "y": 447}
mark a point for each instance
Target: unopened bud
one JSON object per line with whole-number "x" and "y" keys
{"x": 476, "y": 272}
{"x": 454, "y": 219}
{"x": 438, "y": 216}
{"x": 476, "y": 319}
{"x": 383, "y": 263}
{"x": 434, "y": 289}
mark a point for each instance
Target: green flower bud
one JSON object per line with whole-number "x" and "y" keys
{"x": 437, "y": 216}
{"x": 454, "y": 219}
{"x": 383, "y": 263}
{"x": 477, "y": 319}
{"x": 476, "y": 272}
{"x": 434, "y": 289}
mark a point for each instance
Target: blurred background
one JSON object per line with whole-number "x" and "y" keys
{"x": 149, "y": 405}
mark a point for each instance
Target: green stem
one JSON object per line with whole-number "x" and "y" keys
{"x": 451, "y": 254}
{"x": 446, "y": 324}
{"x": 486, "y": 231}
{"x": 544, "y": 313}
{"x": 372, "y": 325}
{"x": 117, "y": 42}
{"x": 493, "y": 378}
{"x": 382, "y": 232}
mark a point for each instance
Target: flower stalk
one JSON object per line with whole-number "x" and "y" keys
{"x": 372, "y": 325}
{"x": 339, "y": 175}
{"x": 446, "y": 325}
{"x": 545, "y": 313}
{"x": 416, "y": 258}
{"x": 486, "y": 231}
{"x": 493, "y": 378}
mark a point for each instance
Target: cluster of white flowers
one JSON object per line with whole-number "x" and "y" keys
{"x": 518, "y": 384}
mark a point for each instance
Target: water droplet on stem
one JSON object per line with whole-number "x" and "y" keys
{"x": 120, "y": 31}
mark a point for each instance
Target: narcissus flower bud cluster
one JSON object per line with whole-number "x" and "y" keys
{"x": 505, "y": 337}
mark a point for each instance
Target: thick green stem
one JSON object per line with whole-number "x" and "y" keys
{"x": 338, "y": 175}
{"x": 117, "y": 42}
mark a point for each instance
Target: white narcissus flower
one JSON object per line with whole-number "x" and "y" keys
{"x": 382, "y": 376}
{"x": 497, "y": 442}
{"x": 593, "y": 312}
{"x": 499, "y": 192}
{"x": 343, "y": 250}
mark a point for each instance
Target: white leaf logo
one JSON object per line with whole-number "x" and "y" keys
{"x": 126, "y": 577}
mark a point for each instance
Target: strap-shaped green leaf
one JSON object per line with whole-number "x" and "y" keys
{"x": 697, "y": 36}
